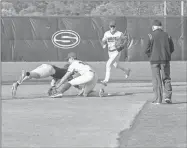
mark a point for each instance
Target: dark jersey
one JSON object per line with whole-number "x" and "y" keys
{"x": 59, "y": 72}
{"x": 159, "y": 47}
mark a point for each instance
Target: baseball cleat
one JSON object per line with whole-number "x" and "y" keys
{"x": 167, "y": 100}
{"x": 14, "y": 88}
{"x": 57, "y": 95}
{"x": 155, "y": 102}
{"x": 80, "y": 93}
{"x": 101, "y": 92}
{"x": 104, "y": 83}
{"x": 128, "y": 73}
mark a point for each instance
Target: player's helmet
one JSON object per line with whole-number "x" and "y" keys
{"x": 71, "y": 55}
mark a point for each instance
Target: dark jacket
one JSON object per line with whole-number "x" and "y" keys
{"x": 159, "y": 47}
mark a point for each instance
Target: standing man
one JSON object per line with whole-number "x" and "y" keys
{"x": 110, "y": 38}
{"x": 159, "y": 47}
{"x": 88, "y": 77}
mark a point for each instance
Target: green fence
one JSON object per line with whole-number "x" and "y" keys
{"x": 30, "y": 38}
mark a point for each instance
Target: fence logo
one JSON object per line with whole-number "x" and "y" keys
{"x": 66, "y": 39}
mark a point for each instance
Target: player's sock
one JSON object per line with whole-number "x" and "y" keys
{"x": 27, "y": 73}
{"x": 65, "y": 87}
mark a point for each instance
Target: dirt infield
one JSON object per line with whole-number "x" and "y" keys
{"x": 141, "y": 71}
{"x": 33, "y": 120}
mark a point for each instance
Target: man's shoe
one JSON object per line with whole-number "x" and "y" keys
{"x": 57, "y": 95}
{"x": 80, "y": 92}
{"x": 156, "y": 102}
{"x": 104, "y": 83}
{"x": 128, "y": 73}
{"x": 168, "y": 101}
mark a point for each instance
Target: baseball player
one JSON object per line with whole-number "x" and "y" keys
{"x": 42, "y": 71}
{"x": 88, "y": 77}
{"x": 110, "y": 38}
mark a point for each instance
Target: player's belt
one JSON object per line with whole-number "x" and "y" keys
{"x": 112, "y": 50}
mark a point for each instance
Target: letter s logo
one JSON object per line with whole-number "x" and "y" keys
{"x": 66, "y": 39}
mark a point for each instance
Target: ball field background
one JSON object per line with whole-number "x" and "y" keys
{"x": 34, "y": 120}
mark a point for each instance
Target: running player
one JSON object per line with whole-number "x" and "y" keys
{"x": 110, "y": 38}
{"x": 88, "y": 77}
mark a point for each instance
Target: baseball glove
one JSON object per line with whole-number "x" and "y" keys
{"x": 52, "y": 91}
{"x": 119, "y": 44}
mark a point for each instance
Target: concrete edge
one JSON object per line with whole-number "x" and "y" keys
{"x": 125, "y": 134}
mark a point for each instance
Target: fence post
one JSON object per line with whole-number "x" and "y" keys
{"x": 13, "y": 53}
{"x": 165, "y": 14}
{"x": 182, "y": 30}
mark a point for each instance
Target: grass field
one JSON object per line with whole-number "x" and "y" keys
{"x": 34, "y": 120}
{"x": 141, "y": 71}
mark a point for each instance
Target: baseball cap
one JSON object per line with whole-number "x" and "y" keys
{"x": 112, "y": 23}
{"x": 71, "y": 55}
{"x": 156, "y": 23}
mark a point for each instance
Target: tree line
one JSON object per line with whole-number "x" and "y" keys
{"x": 89, "y": 8}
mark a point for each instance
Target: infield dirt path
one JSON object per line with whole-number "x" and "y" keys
{"x": 33, "y": 120}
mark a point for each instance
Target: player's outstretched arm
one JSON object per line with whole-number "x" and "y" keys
{"x": 64, "y": 78}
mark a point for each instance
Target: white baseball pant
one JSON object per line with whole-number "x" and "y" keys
{"x": 44, "y": 70}
{"x": 113, "y": 60}
{"x": 88, "y": 79}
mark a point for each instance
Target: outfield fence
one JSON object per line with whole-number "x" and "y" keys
{"x": 31, "y": 38}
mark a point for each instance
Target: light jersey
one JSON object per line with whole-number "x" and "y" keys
{"x": 80, "y": 67}
{"x": 111, "y": 38}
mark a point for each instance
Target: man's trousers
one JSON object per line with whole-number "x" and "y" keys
{"x": 161, "y": 76}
